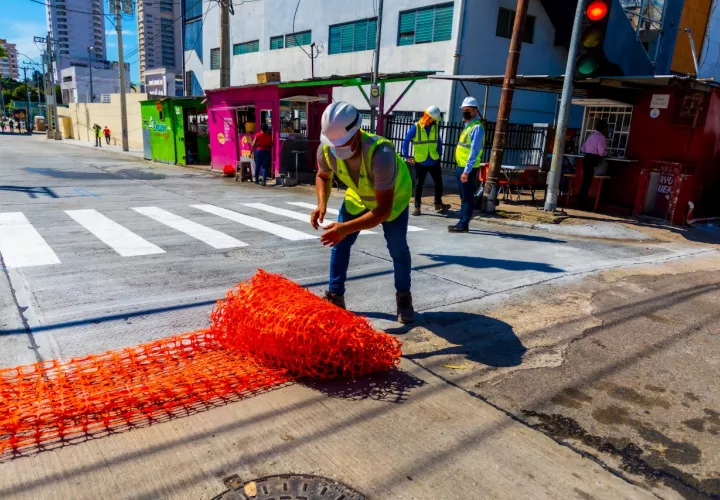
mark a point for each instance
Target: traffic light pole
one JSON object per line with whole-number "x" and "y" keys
{"x": 553, "y": 182}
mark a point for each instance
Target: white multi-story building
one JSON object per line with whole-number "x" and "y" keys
{"x": 453, "y": 37}
{"x": 9, "y": 64}
{"x": 75, "y": 81}
{"x": 163, "y": 82}
{"x": 160, "y": 37}
{"x": 76, "y": 25}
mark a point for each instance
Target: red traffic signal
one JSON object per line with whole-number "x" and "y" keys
{"x": 597, "y": 10}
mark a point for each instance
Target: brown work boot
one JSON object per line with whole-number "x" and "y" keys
{"x": 417, "y": 211}
{"x": 442, "y": 208}
{"x": 405, "y": 310}
{"x": 333, "y": 298}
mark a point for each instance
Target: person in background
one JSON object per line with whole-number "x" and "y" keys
{"x": 594, "y": 150}
{"x": 106, "y": 133}
{"x": 261, "y": 150}
{"x": 98, "y": 131}
{"x": 19, "y": 127}
{"x": 2, "y": 124}
{"x": 378, "y": 192}
{"x": 468, "y": 156}
{"x": 427, "y": 146}
{"x": 12, "y": 126}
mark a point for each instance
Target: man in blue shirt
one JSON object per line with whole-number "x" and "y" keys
{"x": 468, "y": 156}
{"x": 427, "y": 150}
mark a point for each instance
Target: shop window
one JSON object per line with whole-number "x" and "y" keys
{"x": 618, "y": 119}
{"x": 353, "y": 37}
{"x": 246, "y": 48}
{"x": 429, "y": 24}
{"x": 215, "y": 58}
{"x": 505, "y": 22}
{"x": 277, "y": 42}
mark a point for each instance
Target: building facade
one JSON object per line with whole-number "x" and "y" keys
{"x": 75, "y": 82}
{"x": 452, "y": 37}
{"x": 77, "y": 25}
{"x": 9, "y": 65}
{"x": 159, "y": 37}
{"x": 163, "y": 82}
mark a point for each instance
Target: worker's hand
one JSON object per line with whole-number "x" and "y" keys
{"x": 410, "y": 160}
{"x": 464, "y": 177}
{"x": 318, "y": 216}
{"x": 334, "y": 234}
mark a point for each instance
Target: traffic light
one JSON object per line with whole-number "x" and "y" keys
{"x": 595, "y": 24}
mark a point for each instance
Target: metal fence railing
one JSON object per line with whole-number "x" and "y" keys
{"x": 525, "y": 143}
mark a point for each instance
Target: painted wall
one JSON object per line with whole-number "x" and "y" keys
{"x": 162, "y": 131}
{"x": 84, "y": 116}
{"x": 483, "y": 52}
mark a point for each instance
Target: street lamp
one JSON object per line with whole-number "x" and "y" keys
{"x": 92, "y": 96}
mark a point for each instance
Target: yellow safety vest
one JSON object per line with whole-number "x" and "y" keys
{"x": 462, "y": 152}
{"x": 425, "y": 145}
{"x": 361, "y": 197}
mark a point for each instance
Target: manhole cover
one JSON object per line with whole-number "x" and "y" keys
{"x": 288, "y": 487}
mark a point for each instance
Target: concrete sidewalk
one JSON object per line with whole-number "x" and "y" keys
{"x": 136, "y": 153}
{"x": 406, "y": 435}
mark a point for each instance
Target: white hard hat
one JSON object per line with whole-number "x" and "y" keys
{"x": 470, "y": 102}
{"x": 434, "y": 112}
{"x": 340, "y": 121}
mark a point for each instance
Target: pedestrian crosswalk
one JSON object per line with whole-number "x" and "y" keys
{"x": 23, "y": 245}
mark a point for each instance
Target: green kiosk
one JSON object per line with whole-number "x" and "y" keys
{"x": 175, "y": 130}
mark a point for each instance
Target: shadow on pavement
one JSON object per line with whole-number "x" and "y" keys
{"x": 72, "y": 174}
{"x": 476, "y": 337}
{"x": 390, "y": 387}
{"x": 485, "y": 263}
{"x": 512, "y": 236}
{"x": 32, "y": 192}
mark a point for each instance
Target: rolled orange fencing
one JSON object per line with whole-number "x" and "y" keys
{"x": 266, "y": 332}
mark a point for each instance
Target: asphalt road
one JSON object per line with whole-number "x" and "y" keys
{"x": 102, "y": 274}
{"x": 101, "y": 251}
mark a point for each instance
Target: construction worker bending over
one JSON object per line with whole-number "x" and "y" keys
{"x": 427, "y": 151}
{"x": 378, "y": 192}
{"x": 468, "y": 156}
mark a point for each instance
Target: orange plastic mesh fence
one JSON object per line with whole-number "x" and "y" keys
{"x": 267, "y": 331}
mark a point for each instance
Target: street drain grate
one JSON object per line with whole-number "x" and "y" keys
{"x": 288, "y": 487}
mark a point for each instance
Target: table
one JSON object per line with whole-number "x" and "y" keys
{"x": 512, "y": 173}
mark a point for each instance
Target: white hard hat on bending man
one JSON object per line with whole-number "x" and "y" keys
{"x": 339, "y": 127}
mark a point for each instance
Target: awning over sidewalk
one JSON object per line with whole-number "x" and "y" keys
{"x": 554, "y": 83}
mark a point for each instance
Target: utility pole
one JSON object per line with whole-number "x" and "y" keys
{"x": 374, "y": 89}
{"x": 121, "y": 62}
{"x": 52, "y": 64}
{"x": 27, "y": 94}
{"x": 501, "y": 125}
{"x": 92, "y": 95}
{"x": 48, "y": 103}
{"x": 225, "y": 43}
{"x": 553, "y": 182}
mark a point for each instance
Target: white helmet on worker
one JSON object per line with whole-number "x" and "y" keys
{"x": 340, "y": 122}
{"x": 470, "y": 102}
{"x": 434, "y": 113}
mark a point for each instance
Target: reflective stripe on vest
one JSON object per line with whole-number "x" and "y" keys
{"x": 425, "y": 145}
{"x": 361, "y": 197}
{"x": 462, "y": 151}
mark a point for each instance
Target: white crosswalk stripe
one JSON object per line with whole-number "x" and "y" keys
{"x": 214, "y": 238}
{"x": 21, "y": 245}
{"x": 293, "y": 215}
{"x": 122, "y": 240}
{"x": 337, "y": 212}
{"x": 255, "y": 223}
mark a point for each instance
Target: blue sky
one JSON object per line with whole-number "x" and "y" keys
{"x": 23, "y": 19}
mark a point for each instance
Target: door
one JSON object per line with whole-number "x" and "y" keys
{"x": 147, "y": 144}
{"x": 180, "y": 137}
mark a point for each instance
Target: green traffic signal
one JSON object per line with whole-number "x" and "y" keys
{"x": 588, "y": 64}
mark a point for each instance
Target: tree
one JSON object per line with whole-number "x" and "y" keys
{"x": 3, "y": 52}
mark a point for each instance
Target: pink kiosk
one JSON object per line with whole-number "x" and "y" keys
{"x": 293, "y": 113}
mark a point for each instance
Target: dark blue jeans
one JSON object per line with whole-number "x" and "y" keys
{"x": 467, "y": 196}
{"x": 396, "y": 238}
{"x": 262, "y": 164}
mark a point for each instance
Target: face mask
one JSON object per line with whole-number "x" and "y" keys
{"x": 343, "y": 152}
{"x": 467, "y": 116}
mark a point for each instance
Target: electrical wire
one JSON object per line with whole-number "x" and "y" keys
{"x": 293, "y": 30}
